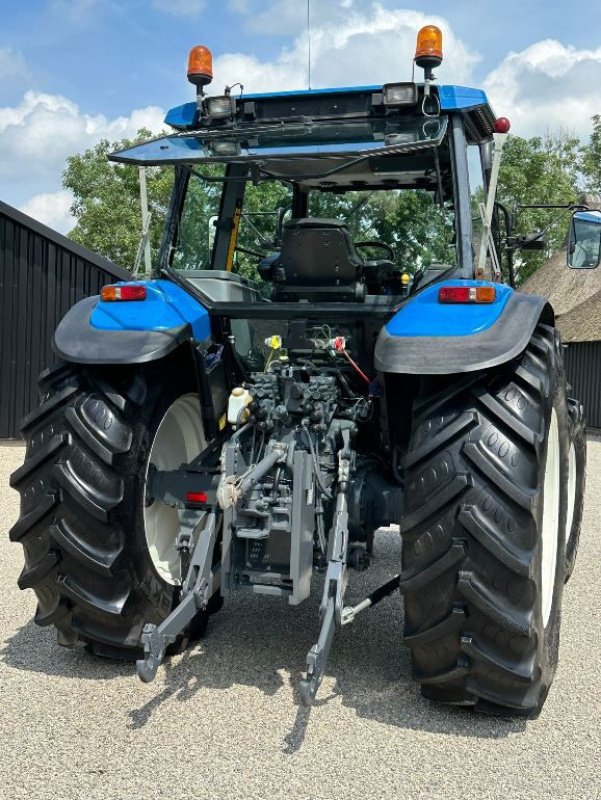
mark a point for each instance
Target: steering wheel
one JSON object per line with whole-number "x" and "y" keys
{"x": 381, "y": 245}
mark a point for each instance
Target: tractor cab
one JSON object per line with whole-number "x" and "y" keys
{"x": 337, "y": 203}
{"x": 346, "y": 195}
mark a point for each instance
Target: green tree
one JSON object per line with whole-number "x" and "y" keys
{"x": 540, "y": 170}
{"x": 411, "y": 222}
{"x": 200, "y": 208}
{"x": 258, "y": 226}
{"x": 591, "y": 159}
{"x": 106, "y": 201}
{"x": 258, "y": 223}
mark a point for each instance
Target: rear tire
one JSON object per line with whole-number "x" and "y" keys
{"x": 576, "y": 482}
{"x": 483, "y": 546}
{"x": 82, "y": 489}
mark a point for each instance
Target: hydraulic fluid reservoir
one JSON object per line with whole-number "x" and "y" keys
{"x": 239, "y": 399}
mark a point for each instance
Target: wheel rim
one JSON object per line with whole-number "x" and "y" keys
{"x": 571, "y": 490}
{"x": 550, "y": 525}
{"x": 178, "y": 439}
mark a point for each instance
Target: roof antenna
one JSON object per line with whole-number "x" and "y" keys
{"x": 309, "y": 40}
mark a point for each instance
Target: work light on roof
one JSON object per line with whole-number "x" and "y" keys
{"x": 225, "y": 149}
{"x": 220, "y": 107}
{"x": 400, "y": 94}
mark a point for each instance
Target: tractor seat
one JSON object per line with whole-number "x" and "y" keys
{"x": 317, "y": 261}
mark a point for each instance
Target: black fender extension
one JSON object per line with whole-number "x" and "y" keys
{"x": 447, "y": 355}
{"x": 75, "y": 340}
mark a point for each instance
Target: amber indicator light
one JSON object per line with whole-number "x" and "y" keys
{"x": 467, "y": 294}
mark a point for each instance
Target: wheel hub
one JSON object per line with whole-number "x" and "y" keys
{"x": 179, "y": 439}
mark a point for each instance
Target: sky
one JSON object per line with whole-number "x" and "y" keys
{"x": 73, "y": 72}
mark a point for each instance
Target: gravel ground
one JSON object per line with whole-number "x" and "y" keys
{"x": 222, "y": 721}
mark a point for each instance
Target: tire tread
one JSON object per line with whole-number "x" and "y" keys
{"x": 469, "y": 533}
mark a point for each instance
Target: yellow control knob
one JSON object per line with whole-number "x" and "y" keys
{"x": 273, "y": 342}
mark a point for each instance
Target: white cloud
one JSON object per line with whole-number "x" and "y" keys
{"x": 38, "y": 134}
{"x": 548, "y": 85}
{"x": 369, "y": 46}
{"x": 12, "y": 65}
{"x": 52, "y": 209}
{"x": 180, "y": 8}
{"x": 44, "y": 129}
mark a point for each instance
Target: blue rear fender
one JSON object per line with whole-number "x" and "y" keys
{"x": 131, "y": 331}
{"x": 166, "y": 306}
{"x": 424, "y": 315}
{"x": 427, "y": 337}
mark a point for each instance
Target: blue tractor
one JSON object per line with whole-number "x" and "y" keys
{"x": 326, "y": 350}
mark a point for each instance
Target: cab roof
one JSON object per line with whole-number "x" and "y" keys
{"x": 301, "y": 127}
{"x": 451, "y": 97}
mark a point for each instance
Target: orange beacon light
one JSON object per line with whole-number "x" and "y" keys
{"x": 200, "y": 66}
{"x": 428, "y": 51}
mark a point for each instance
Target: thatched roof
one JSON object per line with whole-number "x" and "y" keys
{"x": 565, "y": 288}
{"x": 575, "y": 295}
{"x": 583, "y": 323}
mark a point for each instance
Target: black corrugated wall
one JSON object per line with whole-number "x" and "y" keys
{"x": 583, "y": 368}
{"x": 42, "y": 274}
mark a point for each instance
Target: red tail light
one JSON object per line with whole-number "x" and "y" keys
{"x": 467, "y": 294}
{"x": 196, "y": 497}
{"x": 113, "y": 293}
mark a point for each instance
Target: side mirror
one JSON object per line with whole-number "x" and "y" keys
{"x": 584, "y": 240}
{"x": 279, "y": 225}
